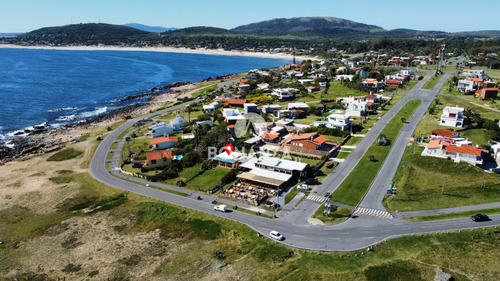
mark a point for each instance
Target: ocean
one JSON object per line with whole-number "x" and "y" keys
{"x": 57, "y": 87}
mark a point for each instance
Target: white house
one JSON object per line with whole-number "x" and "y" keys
{"x": 356, "y": 107}
{"x": 465, "y": 85}
{"x": 452, "y": 117}
{"x": 179, "y": 121}
{"x": 339, "y": 121}
{"x": 298, "y": 105}
{"x": 161, "y": 129}
{"x": 206, "y": 122}
{"x": 406, "y": 72}
{"x": 232, "y": 115}
{"x": 457, "y": 152}
{"x": 474, "y": 73}
{"x": 271, "y": 108}
{"x": 209, "y": 108}
{"x": 287, "y": 93}
{"x": 163, "y": 142}
{"x": 344, "y": 77}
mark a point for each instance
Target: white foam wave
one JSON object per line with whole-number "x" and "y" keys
{"x": 98, "y": 111}
{"x": 63, "y": 109}
{"x": 66, "y": 117}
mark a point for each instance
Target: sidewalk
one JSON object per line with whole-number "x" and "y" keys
{"x": 446, "y": 211}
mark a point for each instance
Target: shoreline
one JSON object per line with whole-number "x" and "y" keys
{"x": 166, "y": 49}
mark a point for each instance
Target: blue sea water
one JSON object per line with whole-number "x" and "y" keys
{"x": 64, "y": 86}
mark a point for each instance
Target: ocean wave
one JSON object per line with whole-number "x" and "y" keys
{"x": 66, "y": 117}
{"x": 98, "y": 111}
{"x": 63, "y": 109}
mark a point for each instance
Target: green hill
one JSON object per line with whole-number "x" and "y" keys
{"x": 88, "y": 34}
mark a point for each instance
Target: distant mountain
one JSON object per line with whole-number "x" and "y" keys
{"x": 88, "y": 33}
{"x": 304, "y": 24}
{"x": 481, "y": 33}
{"x": 148, "y": 28}
{"x": 10, "y": 34}
{"x": 201, "y": 30}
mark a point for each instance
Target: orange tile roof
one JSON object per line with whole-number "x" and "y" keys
{"x": 230, "y": 126}
{"x": 320, "y": 139}
{"x": 243, "y": 80}
{"x": 156, "y": 155}
{"x": 370, "y": 103}
{"x": 475, "y": 79}
{"x": 271, "y": 136}
{"x": 434, "y": 144}
{"x": 371, "y": 97}
{"x": 163, "y": 139}
{"x": 393, "y": 81}
{"x": 444, "y": 132}
{"x": 464, "y": 149}
{"x": 236, "y": 101}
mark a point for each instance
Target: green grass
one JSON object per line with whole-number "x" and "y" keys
{"x": 471, "y": 98}
{"x": 420, "y": 184}
{"x": 343, "y": 154}
{"x": 454, "y": 215}
{"x": 353, "y": 141}
{"x": 359, "y": 180}
{"x": 209, "y": 179}
{"x": 429, "y": 85}
{"x": 291, "y": 194}
{"x": 65, "y": 154}
{"x": 189, "y": 173}
{"x": 339, "y": 215}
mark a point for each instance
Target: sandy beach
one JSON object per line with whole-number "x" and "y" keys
{"x": 169, "y": 50}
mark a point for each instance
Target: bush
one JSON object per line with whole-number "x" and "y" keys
{"x": 65, "y": 154}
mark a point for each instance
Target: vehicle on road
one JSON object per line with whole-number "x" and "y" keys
{"x": 136, "y": 165}
{"x": 221, "y": 208}
{"x": 303, "y": 187}
{"x": 276, "y": 235}
{"x": 480, "y": 217}
{"x": 327, "y": 194}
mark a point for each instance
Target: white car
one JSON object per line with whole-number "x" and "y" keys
{"x": 222, "y": 208}
{"x": 303, "y": 187}
{"x": 276, "y": 235}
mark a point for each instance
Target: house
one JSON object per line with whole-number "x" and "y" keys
{"x": 284, "y": 113}
{"x": 163, "y": 142}
{"x": 311, "y": 141}
{"x": 474, "y": 73}
{"x": 250, "y": 108}
{"x": 344, "y": 77}
{"x": 355, "y": 107}
{"x": 339, "y": 121}
{"x": 158, "y": 159}
{"x": 271, "y": 137}
{"x": 263, "y": 86}
{"x": 206, "y": 122}
{"x": 305, "y": 81}
{"x": 322, "y": 85}
{"x": 271, "y": 172}
{"x": 232, "y": 115}
{"x": 235, "y": 102}
{"x": 394, "y": 83}
{"x": 161, "y": 129}
{"x": 178, "y": 122}
{"x": 371, "y": 83}
{"x": 442, "y": 149}
{"x": 298, "y": 105}
{"x": 284, "y": 94}
{"x": 406, "y": 72}
{"x": 231, "y": 161}
{"x": 271, "y": 108}
{"x": 487, "y": 93}
{"x": 452, "y": 117}
{"x": 311, "y": 89}
{"x": 444, "y": 133}
{"x": 209, "y": 108}
{"x": 465, "y": 85}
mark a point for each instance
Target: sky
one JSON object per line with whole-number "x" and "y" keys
{"x": 442, "y": 15}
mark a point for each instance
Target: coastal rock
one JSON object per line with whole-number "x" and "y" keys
{"x": 442, "y": 276}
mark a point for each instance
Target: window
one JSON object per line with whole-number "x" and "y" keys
{"x": 153, "y": 161}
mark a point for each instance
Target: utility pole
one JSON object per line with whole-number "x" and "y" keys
{"x": 444, "y": 185}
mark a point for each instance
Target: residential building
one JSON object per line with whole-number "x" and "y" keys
{"x": 271, "y": 137}
{"x": 250, "y": 108}
{"x": 163, "y": 142}
{"x": 311, "y": 141}
{"x": 209, "y": 108}
{"x": 298, "y": 105}
{"x": 406, "y": 72}
{"x": 452, "y": 116}
{"x": 339, "y": 121}
{"x": 284, "y": 94}
{"x": 442, "y": 149}
{"x": 344, "y": 77}
{"x": 311, "y": 89}
{"x": 474, "y": 73}
{"x": 178, "y": 122}
{"x": 158, "y": 159}
{"x": 235, "y": 102}
{"x": 232, "y": 115}
{"x": 357, "y": 108}
{"x": 465, "y": 85}
{"x": 271, "y": 108}
{"x": 487, "y": 93}
{"x": 444, "y": 133}
{"x": 206, "y": 122}
{"x": 394, "y": 83}
{"x": 371, "y": 83}
{"x": 231, "y": 161}
{"x": 161, "y": 129}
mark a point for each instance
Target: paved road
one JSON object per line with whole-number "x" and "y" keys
{"x": 355, "y": 233}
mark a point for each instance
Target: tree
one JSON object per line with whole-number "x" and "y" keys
{"x": 403, "y": 120}
{"x": 371, "y": 158}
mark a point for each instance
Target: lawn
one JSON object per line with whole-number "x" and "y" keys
{"x": 292, "y": 193}
{"x": 471, "y": 98}
{"x": 429, "y": 85}
{"x": 343, "y": 154}
{"x": 353, "y": 141}
{"x": 65, "y": 154}
{"x": 454, "y": 215}
{"x": 339, "y": 215}
{"x": 355, "y": 185}
{"x": 337, "y": 90}
{"x": 209, "y": 179}
{"x": 420, "y": 180}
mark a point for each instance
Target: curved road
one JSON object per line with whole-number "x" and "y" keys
{"x": 355, "y": 233}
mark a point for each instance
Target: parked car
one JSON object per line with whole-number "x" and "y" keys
{"x": 327, "y": 194}
{"x": 311, "y": 181}
{"x": 276, "y": 235}
{"x": 303, "y": 187}
{"x": 221, "y": 208}
{"x": 480, "y": 217}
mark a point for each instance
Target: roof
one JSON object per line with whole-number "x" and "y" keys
{"x": 252, "y": 140}
{"x": 489, "y": 89}
{"x": 434, "y": 144}
{"x": 444, "y": 133}
{"x": 163, "y": 139}
{"x": 393, "y": 81}
{"x": 230, "y": 126}
{"x": 371, "y": 97}
{"x": 265, "y": 176}
{"x": 156, "y": 155}
{"x": 320, "y": 139}
{"x": 463, "y": 149}
{"x": 301, "y": 136}
{"x": 281, "y": 163}
{"x": 236, "y": 101}
{"x": 271, "y": 136}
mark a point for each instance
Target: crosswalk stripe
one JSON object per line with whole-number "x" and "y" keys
{"x": 373, "y": 212}
{"x": 316, "y": 198}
